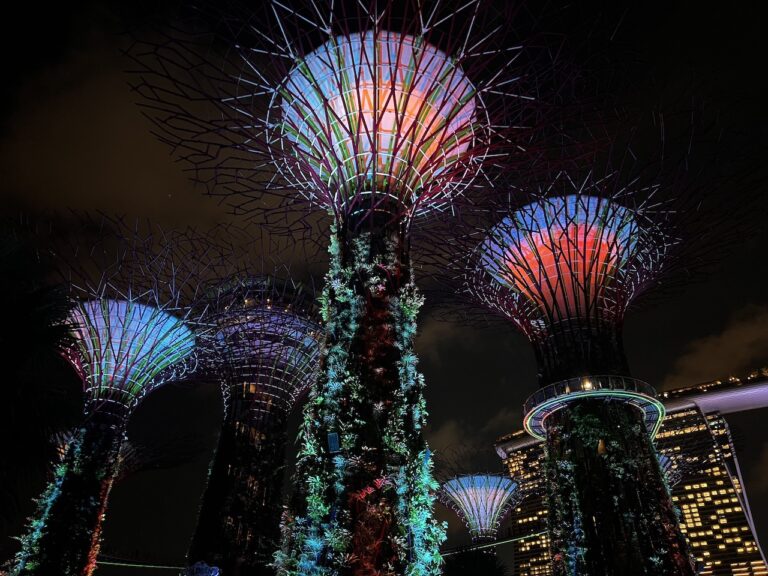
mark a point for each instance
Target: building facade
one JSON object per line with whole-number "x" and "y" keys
{"x": 702, "y": 470}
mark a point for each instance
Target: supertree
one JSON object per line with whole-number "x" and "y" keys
{"x": 481, "y": 501}
{"x": 563, "y": 257}
{"x": 375, "y": 115}
{"x": 132, "y": 324}
{"x": 267, "y": 350}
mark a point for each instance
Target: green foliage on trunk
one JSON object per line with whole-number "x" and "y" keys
{"x": 366, "y": 507}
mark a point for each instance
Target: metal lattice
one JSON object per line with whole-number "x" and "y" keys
{"x": 481, "y": 501}
{"x": 135, "y": 319}
{"x": 336, "y": 107}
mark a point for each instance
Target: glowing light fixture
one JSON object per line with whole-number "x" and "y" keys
{"x": 481, "y": 501}
{"x": 564, "y": 254}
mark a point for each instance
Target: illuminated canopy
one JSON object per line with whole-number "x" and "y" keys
{"x": 377, "y": 112}
{"x": 124, "y": 349}
{"x": 568, "y": 257}
{"x": 273, "y": 353}
{"x": 482, "y": 501}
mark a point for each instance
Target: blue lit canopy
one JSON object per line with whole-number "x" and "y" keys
{"x": 124, "y": 349}
{"x": 481, "y": 501}
{"x": 377, "y": 113}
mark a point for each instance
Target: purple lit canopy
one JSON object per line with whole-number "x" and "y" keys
{"x": 377, "y": 112}
{"x": 341, "y": 108}
{"x": 580, "y": 256}
{"x": 270, "y": 349}
{"x": 125, "y": 349}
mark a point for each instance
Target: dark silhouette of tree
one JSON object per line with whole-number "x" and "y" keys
{"x": 39, "y": 393}
{"x": 474, "y": 563}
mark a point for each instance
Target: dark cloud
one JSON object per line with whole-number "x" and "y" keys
{"x": 740, "y": 346}
{"x": 78, "y": 141}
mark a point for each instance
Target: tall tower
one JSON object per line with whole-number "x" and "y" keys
{"x": 374, "y": 115}
{"x": 267, "y": 351}
{"x": 132, "y": 323}
{"x": 564, "y": 267}
{"x": 715, "y": 514}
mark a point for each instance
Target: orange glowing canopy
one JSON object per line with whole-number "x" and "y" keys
{"x": 565, "y": 255}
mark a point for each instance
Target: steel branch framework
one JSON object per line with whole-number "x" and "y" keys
{"x": 268, "y": 338}
{"x": 124, "y": 349}
{"x": 379, "y": 113}
{"x": 137, "y": 313}
{"x": 481, "y": 501}
{"x": 356, "y": 107}
{"x": 265, "y": 353}
{"x": 576, "y": 257}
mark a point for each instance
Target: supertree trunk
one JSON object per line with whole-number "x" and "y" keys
{"x": 64, "y": 538}
{"x": 366, "y": 505}
{"x": 572, "y": 349}
{"x": 238, "y": 527}
{"x": 610, "y": 510}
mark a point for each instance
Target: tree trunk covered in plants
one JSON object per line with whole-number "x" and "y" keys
{"x": 64, "y": 537}
{"x": 238, "y": 526}
{"x": 610, "y": 510}
{"x": 365, "y": 490}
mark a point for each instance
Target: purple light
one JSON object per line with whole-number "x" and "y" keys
{"x": 125, "y": 349}
{"x": 377, "y": 112}
{"x": 275, "y": 352}
{"x": 568, "y": 257}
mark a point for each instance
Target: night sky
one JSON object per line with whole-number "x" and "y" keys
{"x": 71, "y": 136}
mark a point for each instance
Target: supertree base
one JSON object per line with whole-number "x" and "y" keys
{"x": 64, "y": 536}
{"x": 611, "y": 512}
{"x": 238, "y": 530}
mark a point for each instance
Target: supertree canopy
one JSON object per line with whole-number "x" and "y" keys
{"x": 481, "y": 501}
{"x": 378, "y": 113}
{"x": 123, "y": 349}
{"x": 562, "y": 254}
{"x": 132, "y": 325}
{"x": 360, "y": 108}
{"x": 568, "y": 264}
{"x": 564, "y": 260}
{"x": 267, "y": 351}
{"x": 373, "y": 114}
